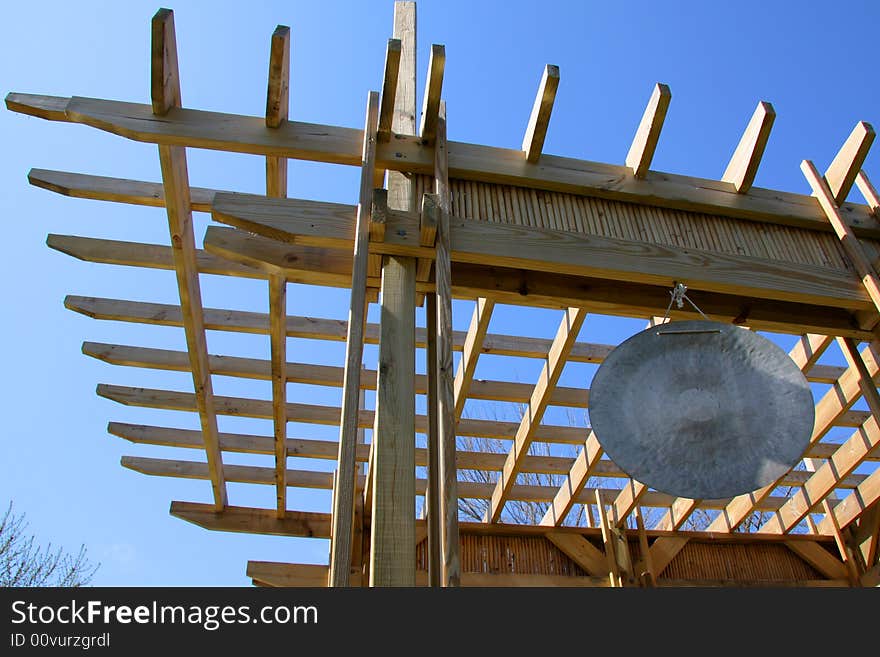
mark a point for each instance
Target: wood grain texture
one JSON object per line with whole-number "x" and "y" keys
{"x": 165, "y": 91}
{"x": 433, "y": 91}
{"x": 641, "y": 152}
{"x": 343, "y": 509}
{"x": 243, "y": 134}
{"x": 842, "y": 172}
{"x": 392, "y": 537}
{"x": 389, "y": 89}
{"x": 746, "y": 159}
{"x": 539, "y": 119}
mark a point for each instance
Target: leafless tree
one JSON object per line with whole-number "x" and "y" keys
{"x": 25, "y": 563}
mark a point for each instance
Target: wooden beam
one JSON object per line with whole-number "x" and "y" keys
{"x": 746, "y": 159}
{"x": 641, "y": 152}
{"x": 566, "y": 335}
{"x": 581, "y": 551}
{"x": 389, "y": 89}
{"x": 678, "y": 514}
{"x": 343, "y": 508}
{"x": 627, "y": 501}
{"x": 490, "y": 244}
{"x": 539, "y": 120}
{"x": 848, "y": 240}
{"x": 614, "y": 575}
{"x": 447, "y": 415}
{"x": 392, "y": 557}
{"x": 253, "y": 521}
{"x": 433, "y": 91}
{"x": 819, "y": 558}
{"x": 841, "y": 173}
{"x": 866, "y": 536}
{"x": 664, "y": 550}
{"x": 872, "y": 198}
{"x": 471, "y": 349}
{"x": 854, "y": 505}
{"x": 582, "y": 469}
{"x": 165, "y": 92}
{"x": 337, "y": 145}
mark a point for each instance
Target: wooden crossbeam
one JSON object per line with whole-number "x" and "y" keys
{"x": 165, "y": 93}
{"x": 539, "y": 119}
{"x": 818, "y": 557}
{"x": 389, "y": 89}
{"x": 842, "y": 172}
{"x": 848, "y": 457}
{"x": 466, "y": 460}
{"x": 866, "y": 536}
{"x": 851, "y": 507}
{"x": 491, "y": 244}
{"x": 746, "y": 159}
{"x": 470, "y": 352}
{"x": 627, "y": 501}
{"x": 872, "y": 198}
{"x": 337, "y": 145}
{"x": 581, "y": 551}
{"x": 641, "y": 152}
{"x": 343, "y": 508}
{"x": 566, "y": 335}
{"x": 321, "y": 375}
{"x": 584, "y": 466}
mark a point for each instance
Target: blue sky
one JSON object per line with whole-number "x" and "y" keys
{"x": 816, "y": 66}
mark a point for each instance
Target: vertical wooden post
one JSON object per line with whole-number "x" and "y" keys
{"x": 432, "y": 495}
{"x": 445, "y": 375}
{"x": 393, "y": 535}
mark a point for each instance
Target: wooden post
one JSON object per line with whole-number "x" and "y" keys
{"x": 445, "y": 382}
{"x": 432, "y": 495}
{"x": 393, "y": 535}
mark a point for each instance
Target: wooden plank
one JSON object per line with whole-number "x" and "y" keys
{"x": 165, "y": 93}
{"x": 433, "y": 91}
{"x": 614, "y": 576}
{"x": 678, "y": 514}
{"x": 872, "y": 198}
{"x": 539, "y": 119}
{"x": 316, "y": 328}
{"x": 278, "y": 350}
{"x": 841, "y": 173}
{"x": 277, "y": 110}
{"x": 471, "y": 349}
{"x": 389, "y": 89}
{"x": 566, "y": 335}
{"x": 853, "y": 505}
{"x": 627, "y": 501}
{"x": 392, "y": 536}
{"x": 866, "y": 536}
{"x": 343, "y": 508}
{"x": 431, "y": 508}
{"x": 492, "y": 244}
{"x": 848, "y": 240}
{"x": 428, "y": 217}
{"x": 581, "y": 551}
{"x": 253, "y": 521}
{"x": 641, "y": 152}
{"x": 278, "y": 107}
{"x": 819, "y": 558}
{"x": 228, "y": 132}
{"x": 664, "y": 550}
{"x": 119, "y": 190}
{"x": 647, "y": 572}
{"x": 582, "y": 469}
{"x": 746, "y": 159}
{"x": 450, "y": 549}
{"x": 319, "y": 480}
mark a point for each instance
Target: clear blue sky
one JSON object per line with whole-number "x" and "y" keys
{"x": 815, "y": 63}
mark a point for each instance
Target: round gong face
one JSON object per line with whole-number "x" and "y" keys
{"x": 701, "y": 409}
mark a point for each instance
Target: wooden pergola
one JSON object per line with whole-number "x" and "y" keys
{"x": 438, "y": 220}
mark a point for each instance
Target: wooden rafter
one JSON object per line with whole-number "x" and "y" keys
{"x": 842, "y": 172}
{"x": 333, "y": 144}
{"x": 743, "y": 165}
{"x": 389, "y": 89}
{"x": 165, "y": 92}
{"x": 566, "y": 335}
{"x": 539, "y": 120}
{"x": 470, "y": 352}
{"x": 433, "y": 91}
{"x": 641, "y": 152}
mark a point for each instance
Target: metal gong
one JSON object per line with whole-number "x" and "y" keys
{"x": 701, "y": 409}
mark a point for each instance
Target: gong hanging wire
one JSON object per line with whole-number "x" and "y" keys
{"x": 678, "y": 294}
